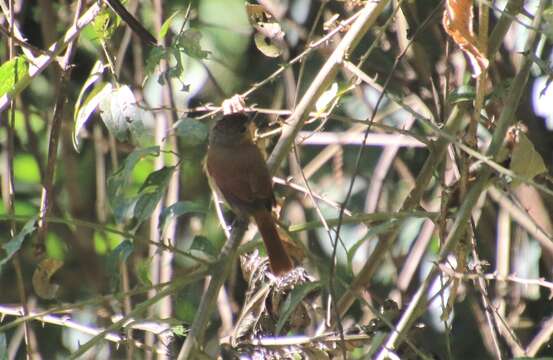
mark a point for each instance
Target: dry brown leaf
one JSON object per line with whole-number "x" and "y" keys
{"x": 457, "y": 22}
{"x": 41, "y": 278}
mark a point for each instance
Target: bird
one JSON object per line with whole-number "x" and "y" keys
{"x": 239, "y": 171}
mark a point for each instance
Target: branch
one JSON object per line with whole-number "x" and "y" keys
{"x": 463, "y": 216}
{"x": 292, "y": 126}
{"x": 42, "y": 62}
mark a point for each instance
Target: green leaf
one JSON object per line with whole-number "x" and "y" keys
{"x": 202, "y": 244}
{"x": 142, "y": 270}
{"x": 191, "y": 131}
{"x": 461, "y": 94}
{"x": 189, "y": 43}
{"x": 293, "y": 299}
{"x": 124, "y": 118}
{"x": 158, "y": 179}
{"x": 105, "y": 24}
{"x": 119, "y": 255}
{"x": 26, "y": 169}
{"x": 154, "y": 57}
{"x": 526, "y": 161}
{"x": 151, "y": 193}
{"x": 177, "y": 209}
{"x": 13, "y": 75}
{"x": 12, "y": 246}
{"x": 119, "y": 181}
{"x": 84, "y": 112}
{"x": 167, "y": 24}
{"x": 179, "y": 330}
{"x": 326, "y": 98}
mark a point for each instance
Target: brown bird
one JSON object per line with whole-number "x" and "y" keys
{"x": 238, "y": 169}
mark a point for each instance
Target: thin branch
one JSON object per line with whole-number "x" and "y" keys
{"x": 43, "y": 61}
{"x": 463, "y": 215}
{"x": 65, "y": 321}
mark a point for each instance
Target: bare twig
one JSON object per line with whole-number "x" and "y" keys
{"x": 459, "y": 226}
{"x": 65, "y": 321}
{"x": 43, "y": 61}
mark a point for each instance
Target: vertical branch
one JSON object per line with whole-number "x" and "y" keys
{"x": 47, "y": 182}
{"x": 294, "y": 123}
{"x": 161, "y": 265}
{"x": 228, "y": 255}
{"x": 8, "y": 189}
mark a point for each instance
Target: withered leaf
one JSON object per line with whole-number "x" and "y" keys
{"x": 457, "y": 22}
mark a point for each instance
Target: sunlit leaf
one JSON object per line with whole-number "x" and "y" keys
{"x": 55, "y": 247}
{"x": 88, "y": 106}
{"x": 265, "y": 45}
{"x": 179, "y": 330}
{"x": 117, "y": 110}
{"x": 105, "y": 24}
{"x": 167, "y": 24}
{"x": 124, "y": 118}
{"x": 326, "y": 98}
{"x": 151, "y": 193}
{"x": 13, "y": 74}
{"x": 41, "y": 278}
{"x": 84, "y": 108}
{"x": 269, "y": 35}
{"x": 26, "y": 169}
{"x": 118, "y": 183}
{"x": 142, "y": 270}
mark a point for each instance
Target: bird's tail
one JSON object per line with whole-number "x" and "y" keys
{"x": 278, "y": 258}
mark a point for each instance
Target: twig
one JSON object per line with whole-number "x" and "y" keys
{"x": 458, "y": 229}
{"x": 43, "y": 61}
{"x": 53, "y": 140}
{"x": 367, "y": 17}
{"x": 496, "y": 277}
{"x": 523, "y": 219}
{"x": 227, "y": 257}
{"x": 138, "y": 309}
{"x": 541, "y": 338}
{"x": 66, "y": 321}
{"x": 8, "y": 191}
{"x": 304, "y": 190}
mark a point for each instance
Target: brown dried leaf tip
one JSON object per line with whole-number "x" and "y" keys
{"x": 457, "y": 22}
